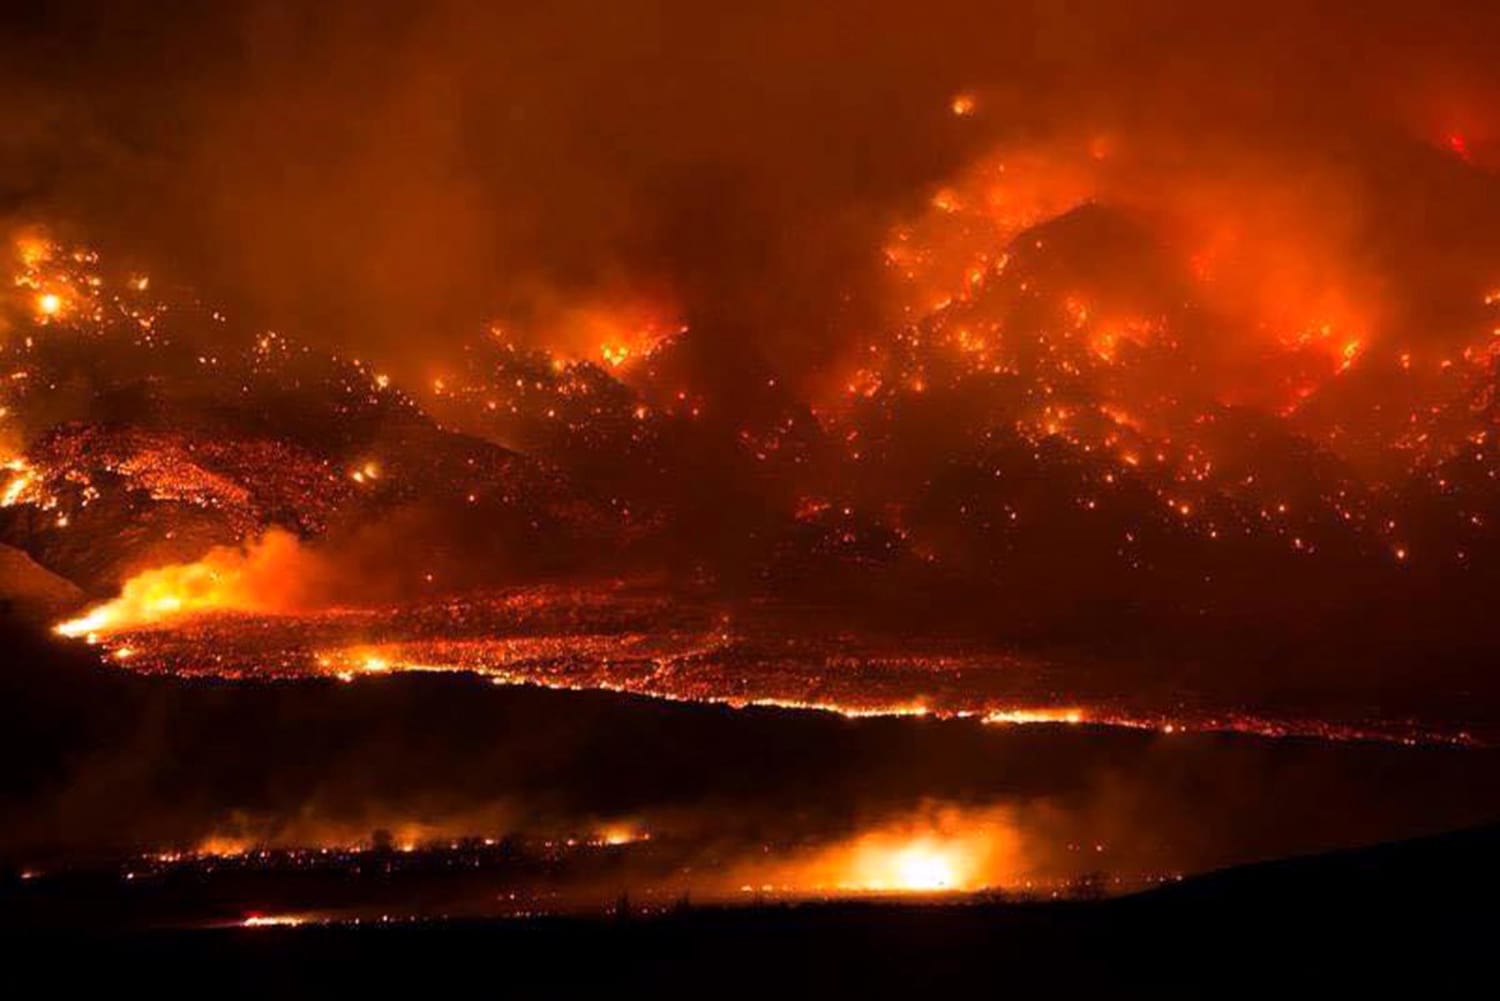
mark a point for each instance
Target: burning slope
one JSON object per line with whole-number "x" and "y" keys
{"x": 1121, "y": 411}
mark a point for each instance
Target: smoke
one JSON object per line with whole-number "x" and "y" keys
{"x": 390, "y": 179}
{"x": 277, "y": 573}
{"x": 273, "y": 574}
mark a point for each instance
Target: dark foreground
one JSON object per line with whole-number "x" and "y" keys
{"x": 103, "y": 764}
{"x": 1420, "y": 909}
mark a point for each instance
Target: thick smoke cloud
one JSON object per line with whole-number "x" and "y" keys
{"x": 387, "y": 177}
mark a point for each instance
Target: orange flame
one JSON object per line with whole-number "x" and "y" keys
{"x": 946, "y": 850}
{"x": 263, "y": 576}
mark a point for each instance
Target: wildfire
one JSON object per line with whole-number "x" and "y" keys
{"x": 922, "y": 866}
{"x": 613, "y": 335}
{"x": 367, "y": 472}
{"x": 938, "y": 850}
{"x": 264, "y": 576}
{"x": 1037, "y": 715}
{"x": 622, "y": 834}
{"x": 20, "y": 484}
{"x": 273, "y": 921}
{"x": 615, "y": 354}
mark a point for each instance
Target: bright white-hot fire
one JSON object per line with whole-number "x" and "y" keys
{"x": 923, "y": 866}
{"x": 273, "y": 921}
{"x": 946, "y": 850}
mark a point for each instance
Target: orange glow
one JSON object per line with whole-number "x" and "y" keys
{"x": 368, "y": 472}
{"x": 265, "y": 576}
{"x": 615, "y": 354}
{"x": 223, "y": 846}
{"x": 19, "y": 487}
{"x": 33, "y": 250}
{"x": 1038, "y": 715}
{"x": 623, "y": 834}
{"x": 939, "y": 850}
{"x": 250, "y": 835}
{"x": 1285, "y": 265}
{"x": 615, "y": 335}
{"x": 272, "y": 921}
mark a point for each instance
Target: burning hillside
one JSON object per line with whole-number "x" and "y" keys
{"x": 1019, "y": 373}
{"x": 1099, "y": 409}
{"x": 1017, "y": 448}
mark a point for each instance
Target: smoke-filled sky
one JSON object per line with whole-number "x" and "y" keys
{"x": 386, "y": 178}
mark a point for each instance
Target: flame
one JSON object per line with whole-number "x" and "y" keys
{"x": 223, "y": 846}
{"x": 19, "y": 486}
{"x": 613, "y": 334}
{"x": 367, "y": 472}
{"x": 938, "y": 850}
{"x": 1285, "y": 265}
{"x": 1070, "y": 715}
{"x": 924, "y": 867}
{"x": 263, "y": 576}
{"x": 273, "y": 921}
{"x": 623, "y": 834}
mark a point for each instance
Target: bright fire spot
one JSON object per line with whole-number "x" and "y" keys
{"x": 615, "y": 354}
{"x": 616, "y": 335}
{"x": 1350, "y": 353}
{"x": 1041, "y": 715}
{"x": 924, "y": 867}
{"x": 963, "y": 105}
{"x": 374, "y": 664}
{"x": 947, "y": 850}
{"x": 257, "y": 578}
{"x": 272, "y": 921}
{"x": 367, "y": 473}
{"x": 49, "y": 303}
{"x": 20, "y": 482}
{"x": 622, "y": 834}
